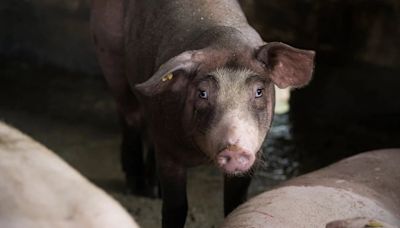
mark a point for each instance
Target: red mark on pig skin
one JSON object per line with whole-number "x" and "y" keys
{"x": 264, "y": 213}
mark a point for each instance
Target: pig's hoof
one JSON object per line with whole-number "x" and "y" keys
{"x": 140, "y": 187}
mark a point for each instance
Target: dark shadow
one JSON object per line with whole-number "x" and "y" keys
{"x": 111, "y": 185}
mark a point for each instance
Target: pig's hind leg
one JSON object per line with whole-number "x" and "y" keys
{"x": 108, "y": 37}
{"x": 138, "y": 162}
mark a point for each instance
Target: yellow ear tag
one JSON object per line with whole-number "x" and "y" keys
{"x": 167, "y": 77}
{"x": 373, "y": 223}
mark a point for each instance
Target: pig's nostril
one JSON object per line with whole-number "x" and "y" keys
{"x": 243, "y": 159}
{"x": 223, "y": 160}
{"x": 235, "y": 161}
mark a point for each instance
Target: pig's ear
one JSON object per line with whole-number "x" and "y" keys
{"x": 287, "y": 66}
{"x": 172, "y": 75}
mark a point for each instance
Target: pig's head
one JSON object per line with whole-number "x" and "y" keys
{"x": 227, "y": 98}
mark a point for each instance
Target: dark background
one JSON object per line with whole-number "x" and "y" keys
{"x": 352, "y": 104}
{"x": 51, "y": 86}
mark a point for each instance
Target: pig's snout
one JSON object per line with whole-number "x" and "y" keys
{"x": 234, "y": 160}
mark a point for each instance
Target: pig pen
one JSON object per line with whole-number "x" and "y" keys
{"x": 51, "y": 89}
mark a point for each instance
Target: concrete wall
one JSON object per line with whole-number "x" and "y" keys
{"x": 57, "y": 31}
{"x": 363, "y": 30}
{"x": 54, "y": 32}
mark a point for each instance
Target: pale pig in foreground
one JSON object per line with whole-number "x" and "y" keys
{"x": 360, "y": 191}
{"x": 39, "y": 190}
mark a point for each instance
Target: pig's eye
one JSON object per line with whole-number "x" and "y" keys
{"x": 203, "y": 94}
{"x": 259, "y": 93}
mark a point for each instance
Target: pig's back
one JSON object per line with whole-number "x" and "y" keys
{"x": 158, "y": 30}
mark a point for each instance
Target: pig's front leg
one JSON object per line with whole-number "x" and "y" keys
{"x": 235, "y": 191}
{"x": 173, "y": 188}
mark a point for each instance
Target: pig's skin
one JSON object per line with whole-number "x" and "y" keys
{"x": 39, "y": 190}
{"x": 188, "y": 73}
{"x": 346, "y": 194}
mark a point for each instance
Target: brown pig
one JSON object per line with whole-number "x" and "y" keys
{"x": 39, "y": 190}
{"x": 357, "y": 192}
{"x": 193, "y": 83}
